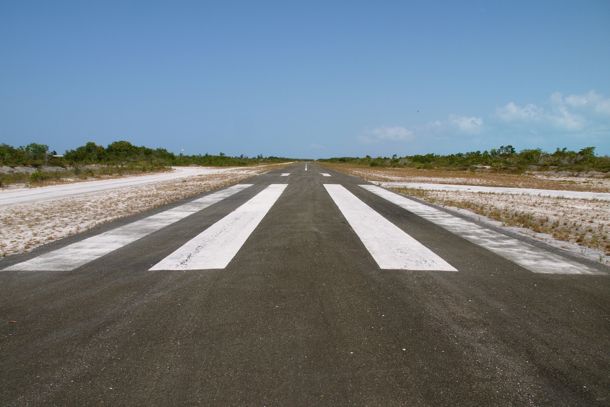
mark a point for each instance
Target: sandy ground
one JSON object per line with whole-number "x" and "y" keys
{"x": 592, "y": 182}
{"x": 571, "y": 246}
{"x": 30, "y": 220}
{"x": 578, "y": 225}
{"x": 25, "y": 194}
{"x": 602, "y": 196}
{"x": 563, "y": 210}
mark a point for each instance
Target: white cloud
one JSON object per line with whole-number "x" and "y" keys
{"x": 514, "y": 112}
{"x": 437, "y": 124}
{"x": 466, "y": 124}
{"x": 590, "y": 100}
{"x": 569, "y": 113}
{"x": 564, "y": 119}
{"x": 393, "y": 133}
{"x": 574, "y": 115}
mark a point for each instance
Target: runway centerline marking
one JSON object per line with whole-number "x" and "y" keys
{"x": 325, "y": 174}
{"x": 285, "y": 174}
{"x": 215, "y": 247}
{"x": 390, "y": 246}
{"x": 77, "y": 254}
{"x": 530, "y": 257}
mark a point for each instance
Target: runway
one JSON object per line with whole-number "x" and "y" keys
{"x": 302, "y": 286}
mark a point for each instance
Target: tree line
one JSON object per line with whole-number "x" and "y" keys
{"x": 504, "y": 158}
{"x": 118, "y": 153}
{"x": 125, "y": 154}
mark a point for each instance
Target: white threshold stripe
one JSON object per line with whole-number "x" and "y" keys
{"x": 82, "y": 252}
{"x": 325, "y": 174}
{"x": 530, "y": 257}
{"x": 389, "y": 245}
{"x": 215, "y": 247}
{"x": 285, "y": 174}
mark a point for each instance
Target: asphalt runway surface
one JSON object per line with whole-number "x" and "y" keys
{"x": 302, "y": 288}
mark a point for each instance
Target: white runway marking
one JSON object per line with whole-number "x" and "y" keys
{"x": 285, "y": 174}
{"x": 305, "y": 167}
{"x": 526, "y": 255}
{"x": 389, "y": 245}
{"x": 79, "y": 253}
{"x": 325, "y": 174}
{"x": 216, "y": 246}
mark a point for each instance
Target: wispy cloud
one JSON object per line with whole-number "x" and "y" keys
{"x": 466, "y": 124}
{"x": 392, "y": 133}
{"x": 562, "y": 116}
{"x": 572, "y": 117}
{"x": 514, "y": 112}
{"x": 569, "y": 113}
{"x": 590, "y": 100}
{"x": 454, "y": 123}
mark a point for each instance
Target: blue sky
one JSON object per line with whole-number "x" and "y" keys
{"x": 306, "y": 79}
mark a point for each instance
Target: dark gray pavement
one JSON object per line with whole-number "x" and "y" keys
{"x": 302, "y": 316}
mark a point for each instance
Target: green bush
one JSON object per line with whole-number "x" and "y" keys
{"x": 38, "y": 177}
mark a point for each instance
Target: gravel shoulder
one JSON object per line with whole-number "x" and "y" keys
{"x": 36, "y": 194}
{"x": 589, "y": 182}
{"x": 580, "y": 226}
{"x": 602, "y": 196}
{"x": 31, "y": 217}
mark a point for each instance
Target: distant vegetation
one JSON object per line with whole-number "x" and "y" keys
{"x": 118, "y": 153}
{"x": 120, "y": 157}
{"x": 505, "y": 158}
